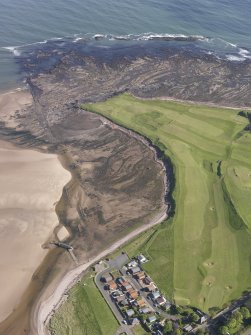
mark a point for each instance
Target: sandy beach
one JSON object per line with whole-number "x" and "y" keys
{"x": 30, "y": 185}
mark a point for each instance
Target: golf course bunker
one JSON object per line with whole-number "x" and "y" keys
{"x": 31, "y": 183}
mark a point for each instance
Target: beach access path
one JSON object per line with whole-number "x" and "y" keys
{"x": 44, "y": 309}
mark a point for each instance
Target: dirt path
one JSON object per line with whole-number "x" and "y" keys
{"x": 44, "y": 309}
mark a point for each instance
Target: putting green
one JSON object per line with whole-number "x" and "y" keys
{"x": 211, "y": 154}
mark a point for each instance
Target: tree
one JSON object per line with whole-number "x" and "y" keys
{"x": 238, "y": 316}
{"x": 245, "y": 313}
{"x": 213, "y": 311}
{"x": 202, "y": 332}
{"x": 223, "y": 330}
{"x": 178, "y": 332}
{"x": 232, "y": 322}
{"x": 194, "y": 317}
{"x": 168, "y": 327}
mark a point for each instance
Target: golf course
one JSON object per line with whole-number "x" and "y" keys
{"x": 210, "y": 149}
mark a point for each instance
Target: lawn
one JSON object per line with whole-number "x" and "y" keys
{"x": 206, "y": 262}
{"x": 139, "y": 330}
{"x": 84, "y": 313}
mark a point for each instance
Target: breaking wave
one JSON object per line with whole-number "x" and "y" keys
{"x": 209, "y": 45}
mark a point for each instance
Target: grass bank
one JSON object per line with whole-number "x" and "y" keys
{"x": 84, "y": 313}
{"x": 210, "y": 250}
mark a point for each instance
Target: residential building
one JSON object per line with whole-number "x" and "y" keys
{"x": 155, "y": 295}
{"x": 145, "y": 310}
{"x": 135, "y": 270}
{"x": 203, "y": 319}
{"x": 120, "y": 280}
{"x": 141, "y": 258}
{"x": 160, "y": 301}
{"x": 148, "y": 281}
{"x": 106, "y": 278}
{"x": 124, "y": 302}
{"x": 141, "y": 302}
{"x": 134, "y": 294}
{"x": 140, "y": 275}
{"x": 130, "y": 312}
{"x": 188, "y": 328}
{"x": 112, "y": 285}
{"x": 134, "y": 321}
{"x": 132, "y": 264}
{"x": 151, "y": 288}
{"x": 151, "y": 318}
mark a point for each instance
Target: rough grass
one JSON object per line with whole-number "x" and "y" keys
{"x": 211, "y": 249}
{"x": 84, "y": 313}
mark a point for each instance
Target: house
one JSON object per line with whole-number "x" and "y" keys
{"x": 112, "y": 285}
{"x": 134, "y": 321}
{"x": 135, "y": 270}
{"x": 130, "y": 312}
{"x": 145, "y": 310}
{"x": 151, "y": 288}
{"x": 120, "y": 298}
{"x": 132, "y": 264}
{"x": 120, "y": 280}
{"x": 141, "y": 258}
{"x": 160, "y": 300}
{"x": 148, "y": 281}
{"x": 203, "y": 319}
{"x": 155, "y": 295}
{"x": 106, "y": 278}
{"x": 140, "y": 275}
{"x": 124, "y": 302}
{"x": 141, "y": 302}
{"x": 134, "y": 294}
{"x": 188, "y": 328}
{"x": 151, "y": 318}
{"x": 127, "y": 287}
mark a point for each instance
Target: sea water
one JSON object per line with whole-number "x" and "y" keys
{"x": 224, "y": 26}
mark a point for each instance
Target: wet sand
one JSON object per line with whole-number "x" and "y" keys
{"x": 30, "y": 184}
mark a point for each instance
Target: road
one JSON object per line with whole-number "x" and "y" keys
{"x": 211, "y": 323}
{"x": 44, "y": 308}
{"x": 123, "y": 328}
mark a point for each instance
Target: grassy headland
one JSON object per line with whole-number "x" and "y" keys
{"x": 211, "y": 154}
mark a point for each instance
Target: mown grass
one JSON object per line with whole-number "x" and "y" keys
{"x": 139, "y": 330}
{"x": 211, "y": 248}
{"x": 157, "y": 245}
{"x": 84, "y": 313}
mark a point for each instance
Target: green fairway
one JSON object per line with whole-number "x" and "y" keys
{"x": 209, "y": 254}
{"x": 84, "y": 313}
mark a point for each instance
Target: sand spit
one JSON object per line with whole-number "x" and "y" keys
{"x": 30, "y": 183}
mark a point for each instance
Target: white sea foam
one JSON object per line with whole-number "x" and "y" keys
{"x": 235, "y": 58}
{"x": 14, "y": 50}
{"x": 77, "y": 39}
